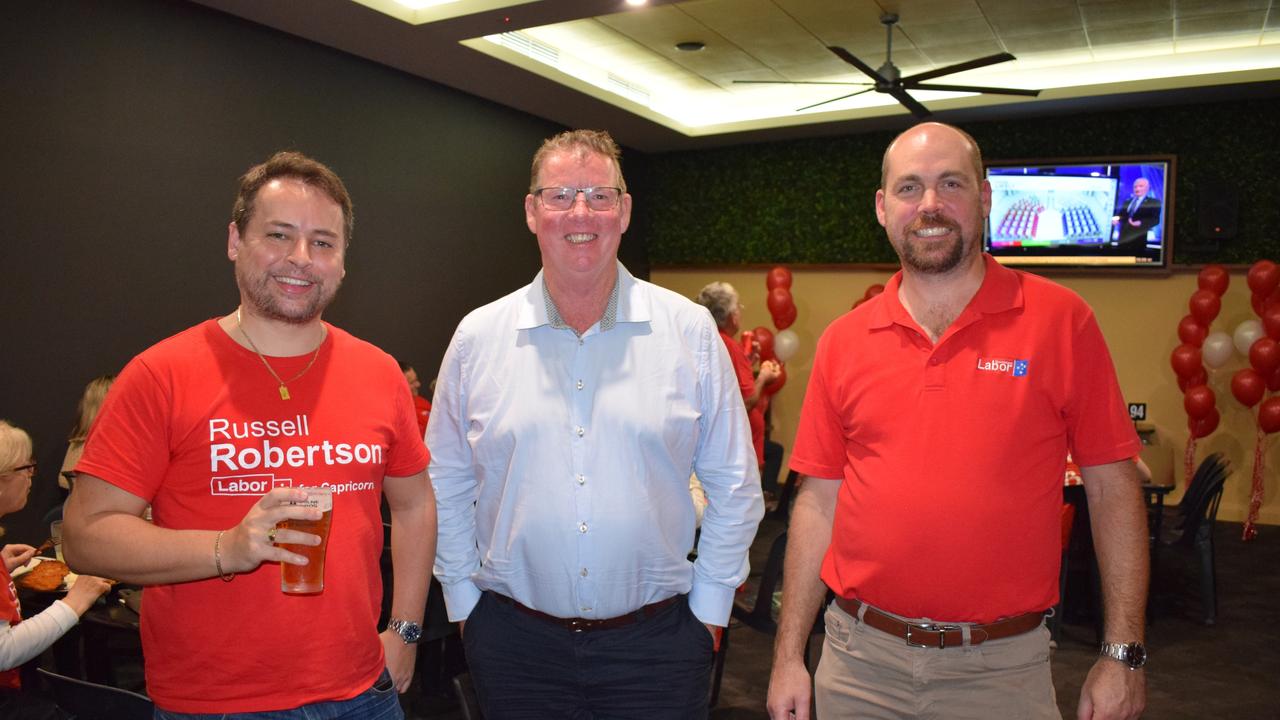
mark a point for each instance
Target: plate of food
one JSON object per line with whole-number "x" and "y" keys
{"x": 44, "y": 574}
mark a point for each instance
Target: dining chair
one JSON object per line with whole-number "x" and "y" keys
{"x": 1190, "y": 536}
{"x": 91, "y": 701}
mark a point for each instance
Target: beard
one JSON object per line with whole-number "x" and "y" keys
{"x": 257, "y": 287}
{"x": 935, "y": 260}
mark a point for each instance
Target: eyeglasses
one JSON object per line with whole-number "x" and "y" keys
{"x": 599, "y": 199}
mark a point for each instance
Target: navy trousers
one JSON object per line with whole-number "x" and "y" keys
{"x": 525, "y": 667}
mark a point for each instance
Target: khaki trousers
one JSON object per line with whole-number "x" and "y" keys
{"x": 865, "y": 673}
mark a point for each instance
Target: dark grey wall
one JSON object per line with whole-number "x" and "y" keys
{"x": 124, "y": 126}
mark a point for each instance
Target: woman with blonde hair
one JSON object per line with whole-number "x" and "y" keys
{"x": 90, "y": 403}
{"x": 21, "y": 640}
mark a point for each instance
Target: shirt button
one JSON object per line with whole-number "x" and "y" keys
{"x": 579, "y": 384}
{"x": 582, "y": 479}
{"x": 581, "y": 432}
{"x": 933, "y": 361}
{"x": 583, "y": 573}
{"x": 579, "y": 341}
{"x": 582, "y": 527}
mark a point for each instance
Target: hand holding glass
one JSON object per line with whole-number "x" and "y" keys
{"x": 308, "y": 579}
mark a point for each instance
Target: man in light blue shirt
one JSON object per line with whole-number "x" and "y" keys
{"x": 568, "y": 416}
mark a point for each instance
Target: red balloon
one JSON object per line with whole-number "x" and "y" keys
{"x": 779, "y": 298}
{"x": 1264, "y": 355}
{"x": 1263, "y": 277}
{"x": 1248, "y": 387}
{"x": 1199, "y": 402}
{"x": 1205, "y": 306}
{"x": 776, "y": 385}
{"x": 1205, "y": 425}
{"x": 872, "y": 291}
{"x": 1191, "y": 332}
{"x": 778, "y": 277}
{"x": 786, "y": 318}
{"x": 1273, "y": 380}
{"x": 1269, "y": 415}
{"x": 1199, "y": 377}
{"x": 1185, "y": 360}
{"x": 764, "y": 338}
{"x": 1271, "y": 322}
{"x": 1215, "y": 279}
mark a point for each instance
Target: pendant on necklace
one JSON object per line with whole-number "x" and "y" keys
{"x": 284, "y": 392}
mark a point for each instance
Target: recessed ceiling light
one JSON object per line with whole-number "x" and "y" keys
{"x": 690, "y": 46}
{"x": 637, "y": 3}
{"x": 422, "y": 4}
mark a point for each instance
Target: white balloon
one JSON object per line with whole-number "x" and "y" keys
{"x": 1247, "y": 333}
{"x": 1216, "y": 350}
{"x": 785, "y": 344}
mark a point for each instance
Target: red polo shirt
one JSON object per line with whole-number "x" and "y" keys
{"x": 747, "y": 385}
{"x": 951, "y": 454}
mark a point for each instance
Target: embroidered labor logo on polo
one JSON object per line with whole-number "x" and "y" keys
{"x": 1002, "y": 366}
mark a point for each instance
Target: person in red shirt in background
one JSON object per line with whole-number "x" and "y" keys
{"x": 722, "y": 300}
{"x": 421, "y": 405}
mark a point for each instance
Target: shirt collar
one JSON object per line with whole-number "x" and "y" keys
{"x": 1001, "y": 290}
{"x": 626, "y": 304}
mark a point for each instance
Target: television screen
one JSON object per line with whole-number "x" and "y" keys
{"x": 1081, "y": 213}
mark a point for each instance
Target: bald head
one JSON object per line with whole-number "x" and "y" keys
{"x": 930, "y": 131}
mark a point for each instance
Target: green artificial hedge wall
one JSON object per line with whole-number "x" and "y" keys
{"x": 813, "y": 201}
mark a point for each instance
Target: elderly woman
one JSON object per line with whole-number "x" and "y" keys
{"x": 22, "y": 640}
{"x": 722, "y": 300}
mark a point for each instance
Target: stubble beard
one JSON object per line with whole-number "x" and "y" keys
{"x": 267, "y": 304}
{"x": 933, "y": 262}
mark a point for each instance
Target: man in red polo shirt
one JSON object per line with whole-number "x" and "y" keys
{"x": 722, "y": 300}
{"x": 933, "y": 432}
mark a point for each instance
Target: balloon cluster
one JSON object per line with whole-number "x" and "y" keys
{"x": 783, "y": 345}
{"x": 1260, "y": 342}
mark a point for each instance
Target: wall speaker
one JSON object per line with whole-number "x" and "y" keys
{"x": 1218, "y": 212}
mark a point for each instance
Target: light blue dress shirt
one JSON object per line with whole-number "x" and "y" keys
{"x": 561, "y": 463}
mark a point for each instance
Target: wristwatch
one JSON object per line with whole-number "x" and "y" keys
{"x": 1133, "y": 654}
{"x": 408, "y": 630}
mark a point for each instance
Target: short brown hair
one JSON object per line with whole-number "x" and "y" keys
{"x": 581, "y": 143}
{"x": 293, "y": 165}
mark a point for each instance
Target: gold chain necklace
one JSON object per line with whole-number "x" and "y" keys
{"x": 284, "y": 390}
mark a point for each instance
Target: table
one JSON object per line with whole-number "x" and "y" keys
{"x": 105, "y": 631}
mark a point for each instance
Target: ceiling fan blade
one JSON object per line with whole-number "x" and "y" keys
{"x": 974, "y": 89}
{"x": 910, "y": 103}
{"x": 960, "y": 67}
{"x": 793, "y": 82}
{"x": 848, "y": 57}
{"x": 842, "y": 97}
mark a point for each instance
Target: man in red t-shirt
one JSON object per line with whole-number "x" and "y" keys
{"x": 421, "y": 405}
{"x": 219, "y": 429}
{"x": 722, "y": 300}
{"x": 933, "y": 434}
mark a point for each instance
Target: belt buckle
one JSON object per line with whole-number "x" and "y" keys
{"x": 938, "y": 628}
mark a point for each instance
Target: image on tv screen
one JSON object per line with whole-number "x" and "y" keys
{"x": 1087, "y": 213}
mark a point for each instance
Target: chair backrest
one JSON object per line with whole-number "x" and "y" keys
{"x": 90, "y": 701}
{"x": 1211, "y": 465}
{"x": 1197, "y": 519}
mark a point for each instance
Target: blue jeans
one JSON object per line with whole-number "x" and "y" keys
{"x": 379, "y": 702}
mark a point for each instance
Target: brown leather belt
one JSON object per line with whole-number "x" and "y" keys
{"x": 942, "y": 635}
{"x": 589, "y": 624}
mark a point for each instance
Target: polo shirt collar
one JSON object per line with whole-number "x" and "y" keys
{"x": 1001, "y": 290}
{"x": 627, "y": 303}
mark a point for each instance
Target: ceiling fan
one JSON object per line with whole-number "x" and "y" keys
{"x": 889, "y": 80}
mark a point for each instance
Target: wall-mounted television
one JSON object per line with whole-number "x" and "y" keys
{"x": 1091, "y": 213}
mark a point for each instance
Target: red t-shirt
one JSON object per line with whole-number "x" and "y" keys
{"x": 747, "y": 385}
{"x": 951, "y": 454}
{"x": 422, "y": 409}
{"x": 195, "y": 426}
{"x": 10, "y": 613}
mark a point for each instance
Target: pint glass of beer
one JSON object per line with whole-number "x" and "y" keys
{"x": 308, "y": 579}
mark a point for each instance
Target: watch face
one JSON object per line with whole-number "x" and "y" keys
{"x": 409, "y": 631}
{"x": 1137, "y": 655}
